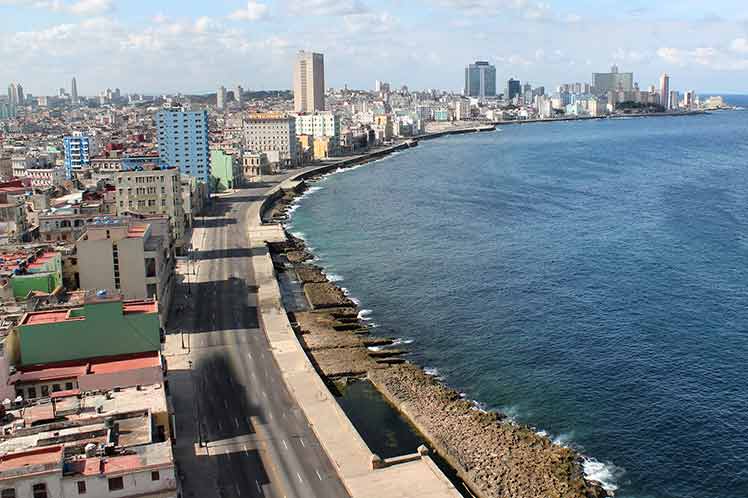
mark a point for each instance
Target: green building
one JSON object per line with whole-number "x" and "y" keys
{"x": 103, "y": 326}
{"x": 42, "y": 275}
{"x": 224, "y": 171}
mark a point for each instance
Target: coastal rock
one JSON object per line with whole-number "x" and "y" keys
{"x": 325, "y": 295}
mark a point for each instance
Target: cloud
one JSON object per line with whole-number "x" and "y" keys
{"x": 739, "y": 45}
{"x": 732, "y": 58}
{"x": 327, "y": 7}
{"x": 370, "y": 23}
{"x": 78, "y": 7}
{"x": 254, "y": 11}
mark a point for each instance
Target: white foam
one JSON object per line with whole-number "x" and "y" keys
{"x": 364, "y": 315}
{"x": 606, "y": 473}
{"x": 399, "y": 341}
{"x": 542, "y": 433}
{"x": 562, "y": 439}
{"x": 375, "y": 348}
{"x": 432, "y": 372}
{"x": 298, "y": 235}
{"x": 332, "y": 277}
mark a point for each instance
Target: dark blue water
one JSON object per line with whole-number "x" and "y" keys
{"x": 586, "y": 278}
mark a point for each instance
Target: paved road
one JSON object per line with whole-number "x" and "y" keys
{"x": 256, "y": 441}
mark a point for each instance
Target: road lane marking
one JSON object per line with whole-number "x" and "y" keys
{"x": 258, "y": 486}
{"x": 270, "y": 415}
{"x": 284, "y": 444}
{"x": 238, "y": 491}
{"x": 220, "y": 428}
{"x": 302, "y": 442}
{"x": 299, "y": 476}
{"x": 236, "y": 421}
{"x": 226, "y": 404}
{"x": 319, "y": 476}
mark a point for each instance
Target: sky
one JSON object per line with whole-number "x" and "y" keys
{"x": 191, "y": 46}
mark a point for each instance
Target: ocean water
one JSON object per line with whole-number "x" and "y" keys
{"x": 589, "y": 279}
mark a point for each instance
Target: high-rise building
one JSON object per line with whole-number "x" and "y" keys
{"x": 673, "y": 101}
{"x": 513, "y": 89}
{"x": 183, "y": 140}
{"x": 665, "y": 91}
{"x": 15, "y": 95}
{"x": 239, "y": 95}
{"x": 613, "y": 81}
{"x": 79, "y": 148}
{"x": 309, "y": 82}
{"x": 221, "y": 97}
{"x": 480, "y": 80}
{"x": 74, "y": 91}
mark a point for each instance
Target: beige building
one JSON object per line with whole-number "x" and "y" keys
{"x": 254, "y": 165}
{"x": 152, "y": 191}
{"x": 127, "y": 257}
{"x": 275, "y": 134}
{"x": 309, "y": 82}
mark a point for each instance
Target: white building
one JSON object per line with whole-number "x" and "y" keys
{"x": 319, "y": 124}
{"x": 309, "y": 82}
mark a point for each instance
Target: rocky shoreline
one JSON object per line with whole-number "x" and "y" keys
{"x": 496, "y": 457}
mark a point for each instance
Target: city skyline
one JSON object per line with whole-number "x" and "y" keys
{"x": 145, "y": 49}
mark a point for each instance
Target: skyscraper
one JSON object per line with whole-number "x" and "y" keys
{"x": 239, "y": 95}
{"x": 480, "y": 80}
{"x": 309, "y": 82}
{"x": 74, "y": 91}
{"x": 183, "y": 140}
{"x": 612, "y": 81}
{"x": 221, "y": 97}
{"x": 513, "y": 89}
{"x": 15, "y": 94}
{"x": 665, "y": 91}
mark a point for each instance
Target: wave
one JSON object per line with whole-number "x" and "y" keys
{"x": 375, "y": 348}
{"x": 400, "y": 341}
{"x": 433, "y": 372}
{"x": 332, "y": 277}
{"x": 364, "y": 315}
{"x": 606, "y": 473}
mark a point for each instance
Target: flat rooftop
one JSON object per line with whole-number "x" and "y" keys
{"x": 131, "y": 307}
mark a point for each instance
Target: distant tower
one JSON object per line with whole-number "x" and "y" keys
{"x": 74, "y": 91}
{"x": 309, "y": 82}
{"x": 15, "y": 94}
{"x": 221, "y": 97}
{"x": 238, "y": 95}
{"x": 665, "y": 91}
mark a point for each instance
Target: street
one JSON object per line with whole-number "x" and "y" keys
{"x": 239, "y": 431}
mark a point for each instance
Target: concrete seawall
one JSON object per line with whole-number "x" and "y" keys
{"x": 363, "y": 474}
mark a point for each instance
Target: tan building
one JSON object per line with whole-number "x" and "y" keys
{"x": 152, "y": 191}
{"x": 127, "y": 257}
{"x": 254, "y": 165}
{"x": 275, "y": 134}
{"x": 309, "y": 82}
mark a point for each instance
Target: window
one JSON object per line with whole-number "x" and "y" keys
{"x": 39, "y": 490}
{"x": 155, "y": 476}
{"x": 81, "y": 487}
{"x": 45, "y": 390}
{"x": 68, "y": 386}
{"x": 116, "y": 483}
{"x": 56, "y": 388}
{"x": 8, "y": 493}
{"x": 32, "y": 392}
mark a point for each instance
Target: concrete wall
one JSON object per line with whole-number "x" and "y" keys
{"x": 95, "y": 265}
{"x": 135, "y": 484}
{"x": 132, "y": 268}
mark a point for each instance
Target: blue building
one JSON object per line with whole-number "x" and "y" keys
{"x": 183, "y": 141}
{"x": 480, "y": 80}
{"x": 78, "y": 152}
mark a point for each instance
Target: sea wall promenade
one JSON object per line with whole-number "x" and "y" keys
{"x": 363, "y": 474}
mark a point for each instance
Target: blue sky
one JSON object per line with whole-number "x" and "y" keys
{"x": 194, "y": 46}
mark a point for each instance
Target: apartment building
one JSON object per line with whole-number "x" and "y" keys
{"x": 128, "y": 257}
{"x": 152, "y": 190}
{"x": 183, "y": 140}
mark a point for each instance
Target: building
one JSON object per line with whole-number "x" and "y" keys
{"x": 221, "y": 98}
{"x": 36, "y": 271}
{"x": 665, "y": 91}
{"x": 239, "y": 95}
{"x": 513, "y": 89}
{"x": 309, "y": 82}
{"x": 16, "y": 97}
{"x": 225, "y": 168}
{"x": 612, "y": 81}
{"x": 152, "y": 191}
{"x": 674, "y": 100}
{"x": 74, "y": 91}
{"x": 320, "y": 124}
{"x": 79, "y": 149}
{"x": 183, "y": 141}
{"x": 254, "y": 165}
{"x": 67, "y": 223}
{"x": 126, "y": 257}
{"x": 480, "y": 80}
{"x": 45, "y": 176}
{"x": 274, "y": 134}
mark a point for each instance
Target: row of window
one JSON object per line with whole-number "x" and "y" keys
{"x": 40, "y": 490}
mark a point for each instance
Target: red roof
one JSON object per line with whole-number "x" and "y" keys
{"x": 37, "y": 456}
{"x": 139, "y": 307}
{"x": 42, "y": 317}
{"x": 78, "y": 368}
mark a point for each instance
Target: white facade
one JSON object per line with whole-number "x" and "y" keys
{"x": 273, "y": 132}
{"x": 319, "y": 124}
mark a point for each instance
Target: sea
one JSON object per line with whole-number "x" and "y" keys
{"x": 589, "y": 279}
